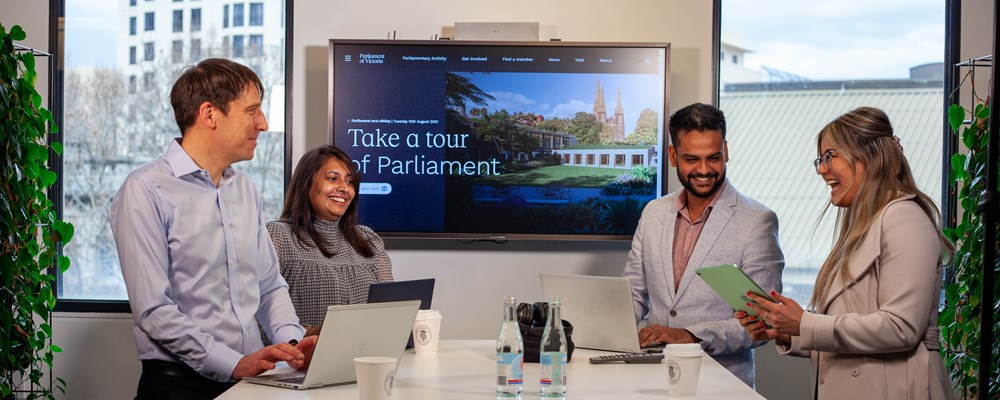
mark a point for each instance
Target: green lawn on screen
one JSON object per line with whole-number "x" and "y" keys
{"x": 557, "y": 175}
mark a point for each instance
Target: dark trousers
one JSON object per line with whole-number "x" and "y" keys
{"x": 164, "y": 380}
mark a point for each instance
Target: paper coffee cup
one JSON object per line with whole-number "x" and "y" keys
{"x": 683, "y": 363}
{"x": 426, "y": 331}
{"x": 375, "y": 377}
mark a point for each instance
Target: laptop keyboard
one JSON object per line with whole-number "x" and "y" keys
{"x": 628, "y": 358}
{"x": 292, "y": 379}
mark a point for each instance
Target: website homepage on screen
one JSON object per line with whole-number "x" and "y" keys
{"x": 493, "y": 140}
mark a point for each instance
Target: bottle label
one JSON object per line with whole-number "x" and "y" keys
{"x": 510, "y": 368}
{"x": 553, "y": 371}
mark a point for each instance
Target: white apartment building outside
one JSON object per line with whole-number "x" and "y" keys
{"x": 156, "y": 33}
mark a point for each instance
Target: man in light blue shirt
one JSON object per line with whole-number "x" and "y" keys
{"x": 197, "y": 261}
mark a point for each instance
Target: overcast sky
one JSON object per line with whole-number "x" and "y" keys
{"x": 838, "y": 39}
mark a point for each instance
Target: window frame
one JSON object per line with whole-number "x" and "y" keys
{"x": 259, "y": 15}
{"x": 195, "y": 22}
{"x": 952, "y": 55}
{"x": 177, "y": 23}
{"x": 55, "y": 99}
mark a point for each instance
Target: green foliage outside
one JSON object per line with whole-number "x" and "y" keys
{"x": 960, "y": 319}
{"x": 31, "y": 235}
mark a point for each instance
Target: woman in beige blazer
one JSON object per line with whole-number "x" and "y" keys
{"x": 871, "y": 331}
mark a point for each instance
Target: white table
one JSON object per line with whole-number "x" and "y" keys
{"x": 466, "y": 369}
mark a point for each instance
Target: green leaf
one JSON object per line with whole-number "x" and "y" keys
{"x": 57, "y": 147}
{"x": 64, "y": 230}
{"x": 16, "y": 33}
{"x": 969, "y": 136}
{"x": 29, "y": 64}
{"x": 958, "y": 168}
{"x": 982, "y": 111}
{"x": 48, "y": 178}
{"x": 956, "y": 115}
{"x": 63, "y": 264}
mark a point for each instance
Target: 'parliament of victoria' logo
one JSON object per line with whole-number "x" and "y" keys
{"x": 423, "y": 334}
{"x": 673, "y": 372}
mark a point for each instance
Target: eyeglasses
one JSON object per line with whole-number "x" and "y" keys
{"x": 826, "y": 160}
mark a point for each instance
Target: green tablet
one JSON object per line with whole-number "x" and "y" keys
{"x": 732, "y": 284}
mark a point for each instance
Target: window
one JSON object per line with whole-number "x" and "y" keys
{"x": 178, "y": 20}
{"x": 619, "y": 160}
{"x": 225, "y": 16}
{"x": 590, "y": 159}
{"x": 256, "y": 46}
{"x": 841, "y": 58}
{"x": 149, "y": 51}
{"x": 177, "y": 55}
{"x": 238, "y": 14}
{"x": 120, "y": 119}
{"x": 195, "y": 49}
{"x": 195, "y": 20}
{"x": 605, "y": 159}
{"x": 131, "y": 3}
{"x": 238, "y": 46}
{"x": 148, "y": 80}
{"x": 132, "y": 25}
{"x": 636, "y": 160}
{"x": 256, "y": 14}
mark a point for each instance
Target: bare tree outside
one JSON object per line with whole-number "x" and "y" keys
{"x": 116, "y": 121}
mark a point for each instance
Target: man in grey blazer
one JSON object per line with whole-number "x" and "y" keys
{"x": 706, "y": 223}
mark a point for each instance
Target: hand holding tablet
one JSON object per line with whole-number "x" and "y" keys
{"x": 730, "y": 282}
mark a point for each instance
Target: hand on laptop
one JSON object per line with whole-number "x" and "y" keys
{"x": 312, "y": 330}
{"x": 264, "y": 359}
{"x": 306, "y": 346}
{"x": 655, "y": 334}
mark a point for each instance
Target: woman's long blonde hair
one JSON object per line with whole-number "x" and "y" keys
{"x": 866, "y": 135}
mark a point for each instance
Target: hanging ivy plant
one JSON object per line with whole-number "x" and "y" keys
{"x": 961, "y": 317}
{"x": 30, "y": 233}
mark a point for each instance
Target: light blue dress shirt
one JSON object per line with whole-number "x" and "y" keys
{"x": 198, "y": 265}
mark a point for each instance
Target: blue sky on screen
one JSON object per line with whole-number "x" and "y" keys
{"x": 554, "y": 95}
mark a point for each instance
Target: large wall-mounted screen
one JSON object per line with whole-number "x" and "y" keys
{"x": 501, "y": 140}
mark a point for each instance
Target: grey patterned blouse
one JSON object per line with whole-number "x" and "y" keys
{"x": 315, "y": 281}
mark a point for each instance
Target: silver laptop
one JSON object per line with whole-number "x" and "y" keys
{"x": 599, "y": 307}
{"x": 358, "y": 330}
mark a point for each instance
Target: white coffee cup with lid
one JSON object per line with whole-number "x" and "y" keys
{"x": 683, "y": 364}
{"x": 426, "y": 331}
